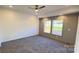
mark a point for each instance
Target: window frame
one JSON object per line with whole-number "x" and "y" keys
{"x": 62, "y": 28}
{"x": 51, "y": 19}
{"x": 50, "y": 26}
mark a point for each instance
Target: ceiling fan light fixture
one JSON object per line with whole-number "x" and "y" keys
{"x": 36, "y": 10}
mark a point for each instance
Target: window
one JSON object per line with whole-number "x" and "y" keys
{"x": 47, "y": 26}
{"x": 57, "y": 27}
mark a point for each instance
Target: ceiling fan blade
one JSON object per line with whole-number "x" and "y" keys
{"x": 36, "y": 7}
{"x": 41, "y": 7}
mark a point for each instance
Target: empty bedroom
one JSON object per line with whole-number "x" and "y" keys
{"x": 39, "y": 28}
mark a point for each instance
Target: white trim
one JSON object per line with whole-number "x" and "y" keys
{"x": 77, "y": 39}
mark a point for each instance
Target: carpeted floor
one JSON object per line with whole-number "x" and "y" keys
{"x": 34, "y": 44}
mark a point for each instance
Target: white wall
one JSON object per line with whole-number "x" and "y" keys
{"x": 1, "y": 34}
{"x": 77, "y": 39}
{"x": 17, "y": 25}
{"x": 1, "y": 30}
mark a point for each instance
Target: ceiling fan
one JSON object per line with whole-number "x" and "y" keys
{"x": 37, "y": 7}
